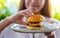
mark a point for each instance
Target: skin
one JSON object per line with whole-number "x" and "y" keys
{"x": 33, "y": 7}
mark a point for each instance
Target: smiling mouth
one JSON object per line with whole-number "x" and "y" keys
{"x": 34, "y": 5}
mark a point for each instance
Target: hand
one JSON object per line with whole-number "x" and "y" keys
{"x": 50, "y": 34}
{"x": 18, "y": 18}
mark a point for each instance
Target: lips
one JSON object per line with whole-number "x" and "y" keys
{"x": 34, "y": 5}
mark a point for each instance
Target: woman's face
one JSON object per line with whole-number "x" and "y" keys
{"x": 34, "y": 5}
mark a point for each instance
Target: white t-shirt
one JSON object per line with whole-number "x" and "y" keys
{"x": 8, "y": 33}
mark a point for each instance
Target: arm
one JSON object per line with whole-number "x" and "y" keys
{"x": 16, "y": 17}
{"x": 50, "y": 35}
{"x": 7, "y": 21}
{"x": 4, "y": 24}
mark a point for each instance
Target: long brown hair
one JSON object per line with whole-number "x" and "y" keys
{"x": 45, "y": 10}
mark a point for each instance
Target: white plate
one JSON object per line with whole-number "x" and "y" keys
{"x": 47, "y": 28}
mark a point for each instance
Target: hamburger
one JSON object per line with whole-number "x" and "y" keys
{"x": 35, "y": 22}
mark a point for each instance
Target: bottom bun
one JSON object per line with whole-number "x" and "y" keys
{"x": 34, "y": 28}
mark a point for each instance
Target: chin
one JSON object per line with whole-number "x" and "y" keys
{"x": 35, "y": 22}
{"x": 35, "y": 11}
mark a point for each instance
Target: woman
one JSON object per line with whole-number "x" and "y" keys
{"x": 29, "y": 8}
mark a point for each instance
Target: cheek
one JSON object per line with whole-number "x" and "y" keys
{"x": 41, "y": 4}
{"x": 27, "y": 3}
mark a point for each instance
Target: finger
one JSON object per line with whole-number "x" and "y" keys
{"x": 21, "y": 22}
{"x": 27, "y": 12}
{"x": 23, "y": 14}
{"x": 30, "y": 12}
{"x": 25, "y": 23}
{"x": 26, "y": 15}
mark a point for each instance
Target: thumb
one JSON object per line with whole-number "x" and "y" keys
{"x": 21, "y": 22}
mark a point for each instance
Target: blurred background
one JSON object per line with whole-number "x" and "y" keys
{"x": 9, "y": 7}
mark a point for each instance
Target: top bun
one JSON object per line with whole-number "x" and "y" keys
{"x": 35, "y": 18}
